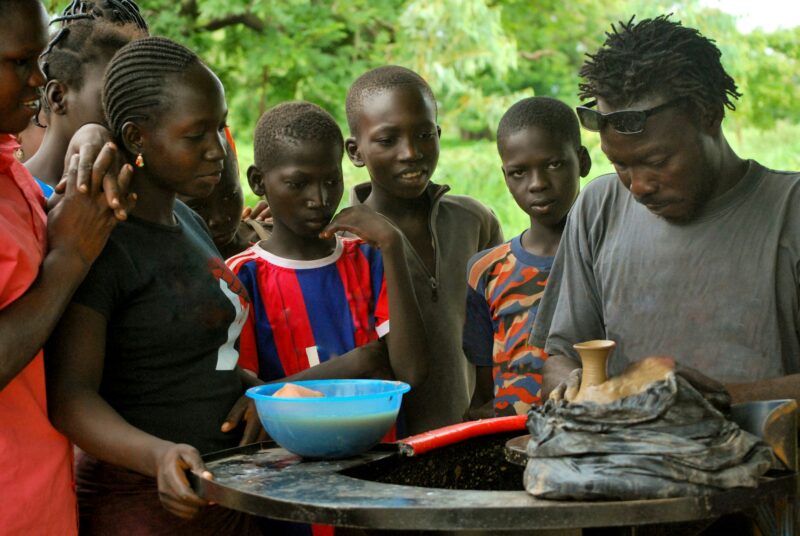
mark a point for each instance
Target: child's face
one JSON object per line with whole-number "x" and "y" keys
{"x": 22, "y": 40}
{"x": 303, "y": 188}
{"x": 397, "y": 140}
{"x": 222, "y": 210}
{"x": 183, "y": 147}
{"x": 542, "y": 173}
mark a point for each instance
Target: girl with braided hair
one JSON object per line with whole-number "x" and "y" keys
{"x": 115, "y": 11}
{"x": 74, "y": 63}
{"x": 145, "y": 358}
{"x": 232, "y": 228}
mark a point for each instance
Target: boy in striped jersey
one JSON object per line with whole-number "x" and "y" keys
{"x": 317, "y": 295}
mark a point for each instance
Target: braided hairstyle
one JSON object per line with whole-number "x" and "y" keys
{"x": 290, "y": 123}
{"x": 546, "y": 113}
{"x": 116, "y": 11}
{"x": 84, "y": 42}
{"x": 378, "y": 80}
{"x": 136, "y": 79}
{"x": 659, "y": 56}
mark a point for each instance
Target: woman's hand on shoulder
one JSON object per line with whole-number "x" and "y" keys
{"x": 174, "y": 491}
{"x": 101, "y": 168}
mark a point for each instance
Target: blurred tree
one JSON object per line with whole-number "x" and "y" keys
{"x": 553, "y": 39}
{"x": 767, "y": 69}
{"x": 460, "y": 48}
{"x": 479, "y": 55}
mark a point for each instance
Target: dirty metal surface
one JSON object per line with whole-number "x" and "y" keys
{"x": 516, "y": 450}
{"x": 266, "y": 480}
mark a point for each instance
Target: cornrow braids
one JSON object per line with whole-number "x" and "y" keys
{"x": 546, "y": 113}
{"x": 135, "y": 81}
{"x": 290, "y": 123}
{"x": 379, "y": 80}
{"x": 115, "y": 11}
{"x": 83, "y": 43}
{"x": 658, "y": 56}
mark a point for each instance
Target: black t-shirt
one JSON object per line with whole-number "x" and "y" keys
{"x": 174, "y": 314}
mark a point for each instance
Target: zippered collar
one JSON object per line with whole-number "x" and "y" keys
{"x": 360, "y": 192}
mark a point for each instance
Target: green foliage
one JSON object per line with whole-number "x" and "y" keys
{"x": 480, "y": 56}
{"x": 768, "y": 72}
{"x": 552, "y": 41}
{"x": 459, "y": 45}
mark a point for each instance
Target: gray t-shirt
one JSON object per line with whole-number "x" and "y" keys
{"x": 719, "y": 294}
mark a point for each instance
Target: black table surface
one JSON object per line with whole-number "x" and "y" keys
{"x": 266, "y": 480}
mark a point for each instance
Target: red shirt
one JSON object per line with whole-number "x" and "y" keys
{"x": 35, "y": 460}
{"x": 305, "y": 312}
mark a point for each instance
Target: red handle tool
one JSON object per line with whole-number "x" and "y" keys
{"x": 441, "y": 437}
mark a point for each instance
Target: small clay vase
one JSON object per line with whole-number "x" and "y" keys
{"x": 594, "y": 358}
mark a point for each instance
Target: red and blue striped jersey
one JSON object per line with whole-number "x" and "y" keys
{"x": 305, "y": 312}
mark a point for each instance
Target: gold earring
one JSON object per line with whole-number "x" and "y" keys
{"x": 139, "y": 161}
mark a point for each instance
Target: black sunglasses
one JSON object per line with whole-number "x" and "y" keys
{"x": 624, "y": 121}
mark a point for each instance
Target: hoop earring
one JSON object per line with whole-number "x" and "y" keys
{"x": 139, "y": 161}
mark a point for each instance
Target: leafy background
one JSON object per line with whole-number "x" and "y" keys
{"x": 480, "y": 56}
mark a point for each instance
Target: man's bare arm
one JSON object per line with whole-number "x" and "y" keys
{"x": 555, "y": 372}
{"x": 775, "y": 388}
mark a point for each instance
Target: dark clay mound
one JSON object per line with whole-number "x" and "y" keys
{"x": 476, "y": 464}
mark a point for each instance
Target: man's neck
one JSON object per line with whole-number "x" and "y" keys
{"x": 731, "y": 168}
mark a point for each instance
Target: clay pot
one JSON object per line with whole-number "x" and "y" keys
{"x": 594, "y": 358}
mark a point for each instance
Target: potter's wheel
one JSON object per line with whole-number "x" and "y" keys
{"x": 266, "y": 480}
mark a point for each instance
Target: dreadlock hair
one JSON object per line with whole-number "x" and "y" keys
{"x": 546, "y": 113}
{"x": 659, "y": 56}
{"x": 379, "y": 80}
{"x": 291, "y": 123}
{"x": 136, "y": 79}
{"x": 83, "y": 43}
{"x": 115, "y": 11}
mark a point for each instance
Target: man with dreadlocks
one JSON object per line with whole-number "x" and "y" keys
{"x": 688, "y": 250}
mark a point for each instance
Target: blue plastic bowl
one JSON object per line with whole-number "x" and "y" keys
{"x": 351, "y": 418}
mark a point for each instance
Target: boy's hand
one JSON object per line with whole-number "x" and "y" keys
{"x": 80, "y": 223}
{"x": 174, "y": 491}
{"x": 370, "y": 226}
{"x": 245, "y": 410}
{"x": 101, "y": 168}
{"x": 260, "y": 213}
